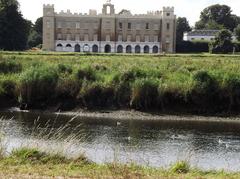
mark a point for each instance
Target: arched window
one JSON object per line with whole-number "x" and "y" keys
{"x": 155, "y": 49}
{"x": 120, "y": 49}
{"x": 77, "y": 48}
{"x": 146, "y": 49}
{"x": 107, "y": 49}
{"x": 137, "y": 49}
{"x": 68, "y": 45}
{"x": 95, "y": 48}
{"x": 129, "y": 49}
{"x": 59, "y": 45}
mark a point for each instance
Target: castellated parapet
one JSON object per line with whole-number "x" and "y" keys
{"x": 153, "y": 32}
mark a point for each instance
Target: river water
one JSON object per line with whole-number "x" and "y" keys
{"x": 206, "y": 145}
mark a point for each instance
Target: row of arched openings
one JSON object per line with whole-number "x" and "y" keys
{"x": 108, "y": 49}
{"x": 77, "y": 47}
{"x": 137, "y": 49}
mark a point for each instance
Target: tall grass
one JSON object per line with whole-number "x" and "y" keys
{"x": 197, "y": 84}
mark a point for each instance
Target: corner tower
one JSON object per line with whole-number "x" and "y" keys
{"x": 48, "y": 27}
{"x": 168, "y": 36}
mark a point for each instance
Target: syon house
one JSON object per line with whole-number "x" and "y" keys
{"x": 123, "y": 32}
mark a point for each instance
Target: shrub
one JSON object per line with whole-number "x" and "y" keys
{"x": 231, "y": 86}
{"x": 123, "y": 94}
{"x": 180, "y": 167}
{"x": 132, "y": 74}
{"x": 144, "y": 94}
{"x": 205, "y": 91}
{"x": 86, "y": 74}
{"x": 8, "y": 88}
{"x": 222, "y": 43}
{"x": 66, "y": 69}
{"x": 96, "y": 95}
{"x": 68, "y": 87}
{"x": 37, "y": 86}
{"x": 10, "y": 67}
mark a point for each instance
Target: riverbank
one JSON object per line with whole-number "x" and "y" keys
{"x": 31, "y": 163}
{"x": 179, "y": 84}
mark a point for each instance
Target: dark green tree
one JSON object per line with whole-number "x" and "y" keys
{"x": 182, "y": 26}
{"x": 35, "y": 36}
{"x": 222, "y": 43}
{"x": 217, "y": 17}
{"x": 14, "y": 29}
{"x": 237, "y": 32}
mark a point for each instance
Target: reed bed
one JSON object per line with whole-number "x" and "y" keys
{"x": 199, "y": 84}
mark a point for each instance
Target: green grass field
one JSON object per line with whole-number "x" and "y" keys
{"x": 188, "y": 83}
{"x": 31, "y": 163}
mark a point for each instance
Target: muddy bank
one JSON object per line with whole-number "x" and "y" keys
{"x": 122, "y": 115}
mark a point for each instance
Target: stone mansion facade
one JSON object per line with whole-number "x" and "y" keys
{"x": 154, "y": 32}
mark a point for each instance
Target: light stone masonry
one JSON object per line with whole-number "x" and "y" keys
{"x": 108, "y": 32}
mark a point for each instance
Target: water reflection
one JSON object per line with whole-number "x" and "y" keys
{"x": 155, "y": 143}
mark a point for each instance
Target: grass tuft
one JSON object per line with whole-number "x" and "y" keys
{"x": 181, "y": 167}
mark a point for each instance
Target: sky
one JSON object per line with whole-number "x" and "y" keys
{"x": 32, "y": 9}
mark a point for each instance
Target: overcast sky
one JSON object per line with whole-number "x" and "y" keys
{"x": 32, "y": 9}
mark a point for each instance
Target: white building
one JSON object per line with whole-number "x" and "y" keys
{"x": 202, "y": 35}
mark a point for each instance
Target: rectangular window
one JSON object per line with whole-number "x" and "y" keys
{"x": 147, "y": 25}
{"x": 155, "y": 38}
{"x": 138, "y": 26}
{"x": 138, "y": 38}
{"x": 77, "y": 25}
{"x": 96, "y": 25}
{"x": 86, "y": 37}
{"x": 168, "y": 14}
{"x": 108, "y": 38}
{"x": 168, "y": 26}
{"x": 95, "y": 37}
{"x": 120, "y": 25}
{"x": 59, "y": 36}
{"x": 59, "y": 25}
{"x": 68, "y": 36}
{"x": 68, "y": 25}
{"x": 48, "y": 24}
{"x": 120, "y": 38}
{"x": 129, "y": 38}
{"x": 129, "y": 26}
{"x": 146, "y": 38}
{"x": 77, "y": 37}
{"x": 156, "y": 27}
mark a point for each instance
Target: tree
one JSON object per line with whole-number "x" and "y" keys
{"x": 35, "y": 36}
{"x": 182, "y": 26}
{"x": 38, "y": 26}
{"x": 222, "y": 43}
{"x": 217, "y": 17}
{"x": 14, "y": 29}
{"x": 237, "y": 32}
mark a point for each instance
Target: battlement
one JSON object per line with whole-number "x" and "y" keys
{"x": 169, "y": 9}
{"x": 48, "y": 6}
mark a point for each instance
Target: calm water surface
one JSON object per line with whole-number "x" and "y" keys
{"x": 151, "y": 143}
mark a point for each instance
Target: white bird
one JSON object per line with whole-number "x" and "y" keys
{"x": 220, "y": 141}
{"x": 129, "y": 138}
{"x": 118, "y": 123}
{"x": 227, "y": 146}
